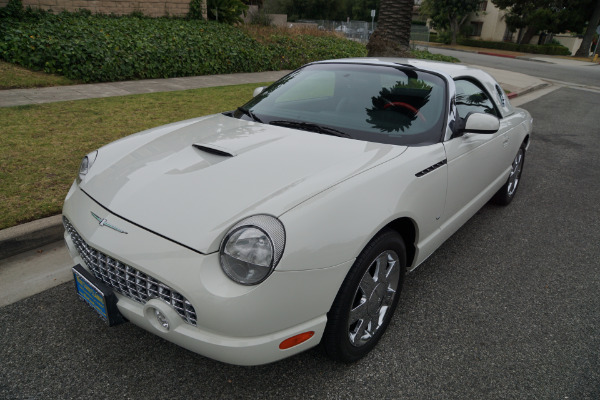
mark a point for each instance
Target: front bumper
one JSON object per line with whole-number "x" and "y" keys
{"x": 236, "y": 324}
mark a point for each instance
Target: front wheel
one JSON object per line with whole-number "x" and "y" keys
{"x": 367, "y": 299}
{"x": 507, "y": 192}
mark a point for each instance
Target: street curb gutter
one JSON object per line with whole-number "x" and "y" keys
{"x": 527, "y": 90}
{"x": 21, "y": 238}
{"x": 486, "y": 53}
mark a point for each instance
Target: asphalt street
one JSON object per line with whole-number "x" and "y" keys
{"x": 508, "y": 308}
{"x": 586, "y": 75}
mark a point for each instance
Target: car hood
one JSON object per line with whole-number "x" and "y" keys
{"x": 192, "y": 180}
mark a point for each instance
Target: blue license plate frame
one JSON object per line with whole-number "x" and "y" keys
{"x": 97, "y": 295}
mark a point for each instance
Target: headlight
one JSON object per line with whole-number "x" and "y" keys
{"x": 86, "y": 164}
{"x": 252, "y": 248}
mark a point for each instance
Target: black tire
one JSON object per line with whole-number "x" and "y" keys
{"x": 507, "y": 192}
{"x": 366, "y": 300}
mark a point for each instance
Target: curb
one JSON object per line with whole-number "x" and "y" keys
{"x": 21, "y": 238}
{"x": 527, "y": 90}
{"x": 496, "y": 54}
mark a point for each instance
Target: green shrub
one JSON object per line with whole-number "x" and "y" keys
{"x": 226, "y": 11}
{"x": 195, "y": 11}
{"x": 13, "y": 9}
{"x": 426, "y": 55}
{"x": 444, "y": 36}
{"x": 99, "y": 48}
{"x": 552, "y": 49}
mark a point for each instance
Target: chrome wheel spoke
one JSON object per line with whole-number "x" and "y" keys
{"x": 360, "y": 335}
{"x": 374, "y": 296}
{"x": 389, "y": 296}
{"x": 367, "y": 285}
{"x": 381, "y": 268}
{"x": 359, "y": 312}
{"x": 515, "y": 173}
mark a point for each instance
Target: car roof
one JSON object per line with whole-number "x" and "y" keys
{"x": 451, "y": 69}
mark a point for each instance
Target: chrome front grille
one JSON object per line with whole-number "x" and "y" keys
{"x": 129, "y": 281}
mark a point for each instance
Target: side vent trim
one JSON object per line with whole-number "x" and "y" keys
{"x": 432, "y": 168}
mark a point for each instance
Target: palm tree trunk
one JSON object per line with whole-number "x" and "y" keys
{"x": 392, "y": 35}
{"x": 584, "y": 49}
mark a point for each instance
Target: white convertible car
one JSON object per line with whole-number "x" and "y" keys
{"x": 255, "y": 234}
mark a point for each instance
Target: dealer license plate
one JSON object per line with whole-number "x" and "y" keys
{"x": 100, "y": 297}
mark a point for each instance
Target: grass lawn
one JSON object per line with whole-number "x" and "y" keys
{"x": 41, "y": 146}
{"x": 15, "y": 77}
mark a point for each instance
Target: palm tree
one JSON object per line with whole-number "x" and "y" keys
{"x": 392, "y": 35}
{"x": 584, "y": 49}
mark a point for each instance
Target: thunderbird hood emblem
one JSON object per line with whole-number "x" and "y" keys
{"x": 104, "y": 222}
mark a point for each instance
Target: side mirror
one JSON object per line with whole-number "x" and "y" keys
{"x": 480, "y": 123}
{"x": 258, "y": 91}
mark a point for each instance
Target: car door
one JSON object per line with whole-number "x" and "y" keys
{"x": 476, "y": 162}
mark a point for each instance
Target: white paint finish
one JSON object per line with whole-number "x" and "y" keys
{"x": 346, "y": 217}
{"x": 482, "y": 123}
{"x": 231, "y": 349}
{"x": 200, "y": 278}
{"x": 275, "y": 168}
{"x": 34, "y": 271}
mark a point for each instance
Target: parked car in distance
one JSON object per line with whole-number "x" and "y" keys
{"x": 255, "y": 234}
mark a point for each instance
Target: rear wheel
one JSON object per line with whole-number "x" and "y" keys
{"x": 507, "y": 192}
{"x": 367, "y": 299}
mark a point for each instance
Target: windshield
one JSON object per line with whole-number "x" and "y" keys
{"x": 385, "y": 104}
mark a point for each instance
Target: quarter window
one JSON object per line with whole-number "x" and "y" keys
{"x": 472, "y": 98}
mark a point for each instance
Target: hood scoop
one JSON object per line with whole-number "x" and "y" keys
{"x": 213, "y": 149}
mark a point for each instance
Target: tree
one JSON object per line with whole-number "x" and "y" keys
{"x": 227, "y": 11}
{"x": 450, "y": 14}
{"x": 593, "y": 22}
{"x": 392, "y": 35}
{"x": 323, "y": 9}
{"x": 543, "y": 15}
{"x": 360, "y": 10}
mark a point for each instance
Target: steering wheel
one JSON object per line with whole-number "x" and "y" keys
{"x": 405, "y": 105}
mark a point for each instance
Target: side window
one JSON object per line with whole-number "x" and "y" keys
{"x": 501, "y": 95}
{"x": 471, "y": 98}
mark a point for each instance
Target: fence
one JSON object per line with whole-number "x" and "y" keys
{"x": 361, "y": 30}
{"x": 419, "y": 33}
{"x": 354, "y": 30}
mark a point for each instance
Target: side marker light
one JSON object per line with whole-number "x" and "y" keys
{"x": 296, "y": 340}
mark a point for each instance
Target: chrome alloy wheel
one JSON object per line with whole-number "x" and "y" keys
{"x": 515, "y": 173}
{"x": 373, "y": 298}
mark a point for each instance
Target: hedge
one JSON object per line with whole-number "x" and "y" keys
{"x": 101, "y": 48}
{"x": 551, "y": 49}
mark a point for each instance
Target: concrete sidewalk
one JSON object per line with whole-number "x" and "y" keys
{"x": 35, "y": 234}
{"x": 511, "y": 81}
{"x": 19, "y": 97}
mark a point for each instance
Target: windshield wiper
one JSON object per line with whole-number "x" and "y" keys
{"x": 310, "y": 127}
{"x": 249, "y": 113}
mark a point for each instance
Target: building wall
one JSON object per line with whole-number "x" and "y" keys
{"x": 494, "y": 26}
{"x": 276, "y": 19}
{"x": 570, "y": 42}
{"x": 152, "y": 8}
